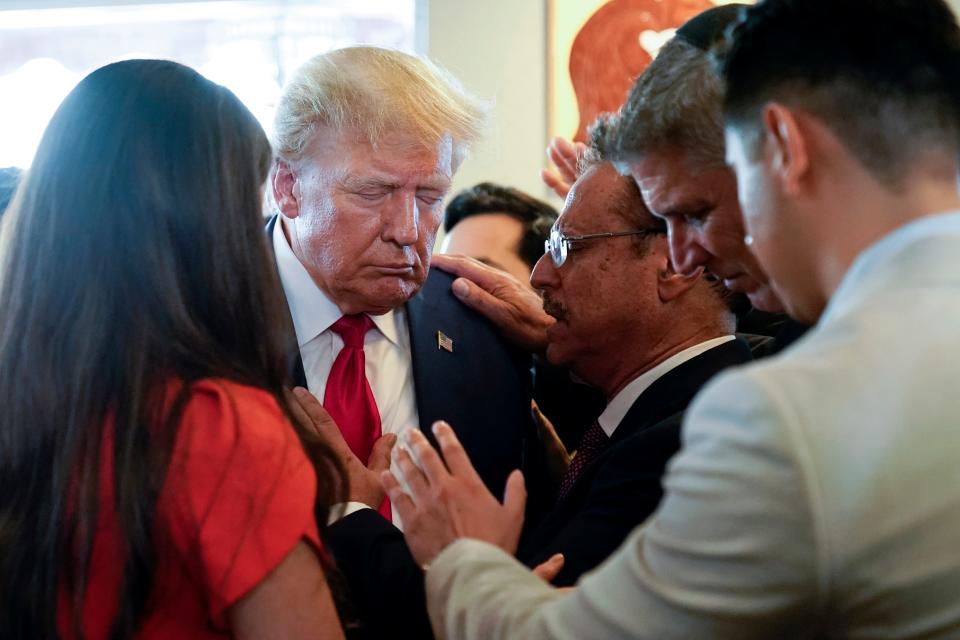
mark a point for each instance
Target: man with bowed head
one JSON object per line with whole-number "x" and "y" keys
{"x": 367, "y": 142}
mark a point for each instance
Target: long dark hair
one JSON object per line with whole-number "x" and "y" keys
{"x": 134, "y": 254}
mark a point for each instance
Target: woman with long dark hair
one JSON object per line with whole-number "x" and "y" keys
{"x": 152, "y": 484}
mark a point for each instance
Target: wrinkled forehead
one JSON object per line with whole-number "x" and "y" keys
{"x": 395, "y": 157}
{"x": 602, "y": 196}
{"x": 591, "y": 193}
{"x": 671, "y": 185}
{"x": 662, "y": 179}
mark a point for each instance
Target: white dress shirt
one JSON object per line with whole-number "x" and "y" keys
{"x": 386, "y": 348}
{"x": 816, "y": 494}
{"x": 618, "y": 407}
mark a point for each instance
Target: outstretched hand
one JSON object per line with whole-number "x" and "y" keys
{"x": 447, "y": 502}
{"x": 512, "y": 306}
{"x": 363, "y": 480}
{"x": 566, "y": 156}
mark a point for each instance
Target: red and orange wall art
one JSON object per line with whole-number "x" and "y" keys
{"x": 598, "y": 48}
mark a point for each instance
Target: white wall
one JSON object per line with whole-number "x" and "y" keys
{"x": 498, "y": 49}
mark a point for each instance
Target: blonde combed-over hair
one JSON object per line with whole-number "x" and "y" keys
{"x": 374, "y": 91}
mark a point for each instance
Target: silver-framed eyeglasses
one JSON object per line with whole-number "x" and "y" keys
{"x": 558, "y": 246}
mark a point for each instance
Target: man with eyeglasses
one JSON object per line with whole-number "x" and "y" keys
{"x": 648, "y": 337}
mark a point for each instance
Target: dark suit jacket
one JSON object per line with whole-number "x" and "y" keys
{"x": 769, "y": 333}
{"x": 616, "y": 492}
{"x": 482, "y": 388}
{"x": 569, "y": 405}
{"x": 621, "y": 487}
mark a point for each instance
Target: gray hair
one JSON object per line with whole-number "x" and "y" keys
{"x": 374, "y": 91}
{"x": 676, "y": 104}
{"x": 597, "y": 134}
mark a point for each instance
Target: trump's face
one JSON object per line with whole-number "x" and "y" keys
{"x": 362, "y": 218}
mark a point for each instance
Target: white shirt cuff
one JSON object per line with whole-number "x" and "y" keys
{"x": 342, "y": 509}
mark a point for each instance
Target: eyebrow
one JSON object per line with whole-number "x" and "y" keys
{"x": 684, "y": 207}
{"x": 357, "y": 183}
{"x": 354, "y": 182}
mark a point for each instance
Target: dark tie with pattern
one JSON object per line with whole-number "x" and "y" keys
{"x": 592, "y": 444}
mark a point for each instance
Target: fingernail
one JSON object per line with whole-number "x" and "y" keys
{"x": 441, "y": 428}
{"x": 460, "y": 288}
{"x": 409, "y": 439}
{"x": 300, "y": 391}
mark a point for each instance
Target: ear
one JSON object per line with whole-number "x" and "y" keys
{"x": 286, "y": 189}
{"x": 788, "y": 147}
{"x": 672, "y": 285}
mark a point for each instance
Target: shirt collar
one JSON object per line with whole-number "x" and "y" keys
{"x": 618, "y": 407}
{"x": 919, "y": 249}
{"x": 312, "y": 311}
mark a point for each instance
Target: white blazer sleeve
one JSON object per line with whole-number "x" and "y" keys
{"x": 732, "y": 552}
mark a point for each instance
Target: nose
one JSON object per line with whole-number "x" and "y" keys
{"x": 544, "y": 274}
{"x": 401, "y": 221}
{"x": 686, "y": 250}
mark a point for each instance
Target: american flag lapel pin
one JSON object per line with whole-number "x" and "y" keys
{"x": 444, "y": 342}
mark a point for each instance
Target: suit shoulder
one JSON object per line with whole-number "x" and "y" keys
{"x": 439, "y": 279}
{"x": 437, "y": 296}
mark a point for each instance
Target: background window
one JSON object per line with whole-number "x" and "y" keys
{"x": 249, "y": 46}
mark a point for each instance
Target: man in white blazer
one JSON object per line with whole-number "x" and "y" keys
{"x": 817, "y": 494}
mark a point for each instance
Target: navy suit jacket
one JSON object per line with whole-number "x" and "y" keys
{"x": 482, "y": 388}
{"x": 621, "y": 488}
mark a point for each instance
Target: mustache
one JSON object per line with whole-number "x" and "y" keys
{"x": 553, "y": 308}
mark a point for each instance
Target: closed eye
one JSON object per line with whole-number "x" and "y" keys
{"x": 693, "y": 215}
{"x": 430, "y": 196}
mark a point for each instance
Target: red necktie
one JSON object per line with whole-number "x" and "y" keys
{"x": 348, "y": 398}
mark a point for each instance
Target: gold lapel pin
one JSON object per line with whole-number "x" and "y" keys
{"x": 444, "y": 341}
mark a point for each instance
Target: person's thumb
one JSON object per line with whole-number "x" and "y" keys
{"x": 380, "y": 454}
{"x": 515, "y": 495}
{"x": 549, "y": 568}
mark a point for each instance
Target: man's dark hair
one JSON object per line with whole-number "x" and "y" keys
{"x": 535, "y": 215}
{"x": 9, "y": 177}
{"x": 881, "y": 74}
